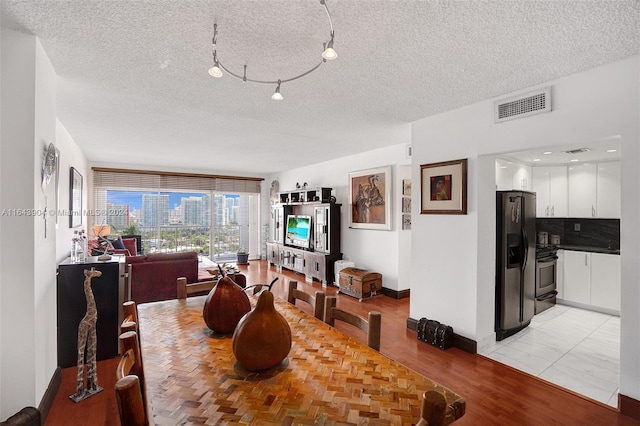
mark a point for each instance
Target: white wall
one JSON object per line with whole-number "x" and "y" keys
{"x": 70, "y": 156}
{"x": 453, "y": 270}
{"x": 373, "y": 250}
{"x": 27, "y": 303}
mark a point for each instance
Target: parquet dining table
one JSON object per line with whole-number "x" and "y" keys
{"x": 328, "y": 377}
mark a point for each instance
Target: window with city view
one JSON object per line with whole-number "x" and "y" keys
{"x": 216, "y": 225}
{"x": 214, "y": 215}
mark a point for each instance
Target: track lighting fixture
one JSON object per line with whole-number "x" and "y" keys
{"x": 328, "y": 54}
{"x": 277, "y": 96}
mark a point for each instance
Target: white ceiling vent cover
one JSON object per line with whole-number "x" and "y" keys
{"x": 522, "y": 105}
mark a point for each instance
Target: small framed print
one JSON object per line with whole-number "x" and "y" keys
{"x": 406, "y": 186}
{"x": 406, "y": 204}
{"x": 406, "y": 221}
{"x": 443, "y": 187}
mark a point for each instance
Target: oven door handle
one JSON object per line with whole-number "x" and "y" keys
{"x": 549, "y": 295}
{"x": 548, "y": 259}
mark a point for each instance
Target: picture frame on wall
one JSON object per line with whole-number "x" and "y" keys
{"x": 406, "y": 222}
{"x": 406, "y": 204}
{"x": 406, "y": 186}
{"x": 370, "y": 199}
{"x": 75, "y": 198}
{"x": 443, "y": 187}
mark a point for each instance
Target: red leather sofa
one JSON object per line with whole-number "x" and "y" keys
{"x": 153, "y": 277}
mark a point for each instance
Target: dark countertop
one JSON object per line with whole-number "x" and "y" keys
{"x": 589, "y": 249}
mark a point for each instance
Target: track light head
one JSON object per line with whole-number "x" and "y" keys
{"x": 215, "y": 70}
{"x": 277, "y": 96}
{"x": 329, "y": 54}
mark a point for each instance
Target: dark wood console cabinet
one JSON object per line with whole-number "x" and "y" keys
{"x": 72, "y": 306}
{"x": 316, "y": 261}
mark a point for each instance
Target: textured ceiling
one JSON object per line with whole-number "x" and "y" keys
{"x": 133, "y": 86}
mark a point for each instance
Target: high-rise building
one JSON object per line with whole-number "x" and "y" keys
{"x": 118, "y": 215}
{"x": 155, "y": 209}
{"x": 193, "y": 211}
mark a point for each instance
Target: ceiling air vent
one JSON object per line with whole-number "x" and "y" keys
{"x": 522, "y": 105}
{"x": 577, "y": 151}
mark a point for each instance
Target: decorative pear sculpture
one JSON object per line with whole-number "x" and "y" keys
{"x": 263, "y": 337}
{"x": 225, "y": 305}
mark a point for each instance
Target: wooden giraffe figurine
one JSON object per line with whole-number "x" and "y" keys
{"x": 87, "y": 340}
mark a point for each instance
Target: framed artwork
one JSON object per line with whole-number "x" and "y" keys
{"x": 370, "y": 199}
{"x": 75, "y": 198}
{"x": 406, "y": 221}
{"x": 406, "y": 186}
{"x": 443, "y": 187}
{"x": 406, "y": 204}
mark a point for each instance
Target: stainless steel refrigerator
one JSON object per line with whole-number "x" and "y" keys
{"x": 515, "y": 261}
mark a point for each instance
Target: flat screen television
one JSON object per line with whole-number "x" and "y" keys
{"x": 298, "y": 230}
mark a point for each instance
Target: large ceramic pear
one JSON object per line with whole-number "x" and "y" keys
{"x": 263, "y": 337}
{"x": 225, "y": 305}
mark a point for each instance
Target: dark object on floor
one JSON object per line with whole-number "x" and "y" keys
{"x": 434, "y": 333}
{"x": 28, "y": 416}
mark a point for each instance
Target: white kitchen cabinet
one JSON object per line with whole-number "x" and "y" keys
{"x": 512, "y": 176}
{"x": 577, "y": 277}
{"x": 551, "y": 187}
{"x": 583, "y": 190}
{"x": 605, "y": 280}
{"x": 608, "y": 190}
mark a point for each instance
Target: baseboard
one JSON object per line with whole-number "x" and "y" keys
{"x": 50, "y": 394}
{"x": 460, "y": 342}
{"x": 396, "y": 294}
{"x": 629, "y": 406}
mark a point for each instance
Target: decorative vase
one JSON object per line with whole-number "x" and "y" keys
{"x": 225, "y": 305}
{"x": 263, "y": 337}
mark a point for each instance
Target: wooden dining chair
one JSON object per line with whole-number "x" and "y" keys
{"x": 434, "y": 408}
{"x": 130, "y": 388}
{"x": 184, "y": 289}
{"x": 317, "y": 301}
{"x": 372, "y": 326}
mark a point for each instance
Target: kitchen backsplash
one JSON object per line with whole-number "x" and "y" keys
{"x": 598, "y": 233}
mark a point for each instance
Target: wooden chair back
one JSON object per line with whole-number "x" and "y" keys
{"x": 184, "y": 289}
{"x": 130, "y": 388}
{"x": 317, "y": 301}
{"x": 434, "y": 409}
{"x": 130, "y": 317}
{"x": 372, "y": 326}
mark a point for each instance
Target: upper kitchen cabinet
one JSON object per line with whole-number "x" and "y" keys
{"x": 594, "y": 190}
{"x": 512, "y": 176}
{"x": 551, "y": 187}
{"x": 583, "y": 190}
{"x": 608, "y": 190}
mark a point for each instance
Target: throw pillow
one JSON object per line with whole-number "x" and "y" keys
{"x": 131, "y": 245}
{"x": 118, "y": 244}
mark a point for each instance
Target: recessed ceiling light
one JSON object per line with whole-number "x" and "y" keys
{"x": 612, "y": 150}
{"x": 547, "y": 153}
{"x": 575, "y": 160}
{"x": 536, "y": 159}
{"x": 503, "y": 167}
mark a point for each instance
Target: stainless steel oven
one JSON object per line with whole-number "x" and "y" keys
{"x": 546, "y": 277}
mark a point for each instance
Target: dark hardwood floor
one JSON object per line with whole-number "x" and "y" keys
{"x": 496, "y": 394}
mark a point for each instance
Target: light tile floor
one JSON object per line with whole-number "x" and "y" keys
{"x": 573, "y": 348}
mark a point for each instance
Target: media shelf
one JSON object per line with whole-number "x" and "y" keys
{"x": 306, "y": 195}
{"x": 314, "y": 257}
